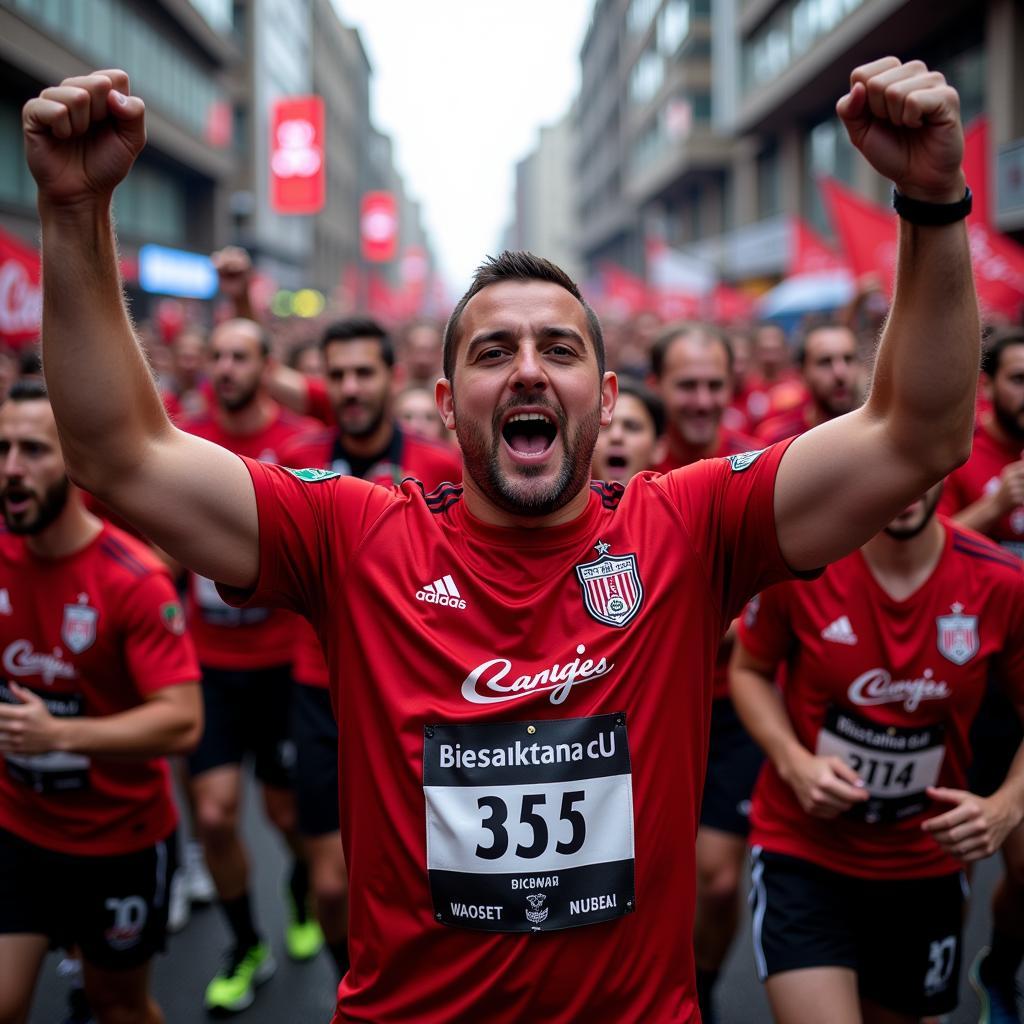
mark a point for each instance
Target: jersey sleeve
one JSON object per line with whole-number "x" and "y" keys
{"x": 728, "y": 509}
{"x": 765, "y": 628}
{"x": 310, "y": 523}
{"x": 157, "y": 648}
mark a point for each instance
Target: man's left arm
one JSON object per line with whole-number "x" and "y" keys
{"x": 841, "y": 482}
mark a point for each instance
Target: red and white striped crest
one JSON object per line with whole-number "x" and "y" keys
{"x": 612, "y": 591}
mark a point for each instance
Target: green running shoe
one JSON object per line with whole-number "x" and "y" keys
{"x": 234, "y": 987}
{"x": 302, "y": 937}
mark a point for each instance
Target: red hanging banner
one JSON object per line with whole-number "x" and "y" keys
{"x": 298, "y": 173}
{"x": 378, "y": 226}
{"x": 21, "y": 295}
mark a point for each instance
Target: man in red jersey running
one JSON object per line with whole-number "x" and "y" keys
{"x": 692, "y": 368}
{"x": 247, "y": 688}
{"x": 99, "y": 679}
{"x": 862, "y": 814}
{"x": 520, "y": 777}
{"x": 367, "y": 443}
{"x": 987, "y": 494}
{"x": 830, "y": 365}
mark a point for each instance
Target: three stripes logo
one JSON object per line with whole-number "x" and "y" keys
{"x": 442, "y": 591}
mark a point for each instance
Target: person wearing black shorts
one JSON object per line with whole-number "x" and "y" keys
{"x": 99, "y": 680}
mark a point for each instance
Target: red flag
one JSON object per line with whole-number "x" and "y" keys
{"x": 869, "y": 235}
{"x": 976, "y": 168}
{"x": 625, "y": 294}
{"x": 380, "y": 299}
{"x": 21, "y": 295}
{"x": 809, "y": 253}
{"x": 868, "y": 232}
{"x": 378, "y": 226}
{"x": 730, "y": 305}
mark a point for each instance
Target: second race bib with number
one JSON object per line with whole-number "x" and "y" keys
{"x": 529, "y": 824}
{"x": 896, "y": 764}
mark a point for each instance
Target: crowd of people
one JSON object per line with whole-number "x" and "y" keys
{"x": 530, "y": 626}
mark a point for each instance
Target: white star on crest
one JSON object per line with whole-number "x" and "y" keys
{"x": 956, "y": 607}
{"x": 601, "y": 548}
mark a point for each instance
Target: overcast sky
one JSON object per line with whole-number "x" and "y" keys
{"x": 462, "y": 87}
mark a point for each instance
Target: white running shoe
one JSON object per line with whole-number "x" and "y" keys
{"x": 198, "y": 883}
{"x": 179, "y": 909}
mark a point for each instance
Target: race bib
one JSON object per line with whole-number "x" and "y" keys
{"x": 529, "y": 824}
{"x": 896, "y": 764}
{"x": 55, "y": 772}
{"x": 217, "y": 612}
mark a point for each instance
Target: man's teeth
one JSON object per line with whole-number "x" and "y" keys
{"x": 526, "y": 417}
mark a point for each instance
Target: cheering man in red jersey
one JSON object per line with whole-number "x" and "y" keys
{"x": 987, "y": 494}
{"x": 520, "y": 765}
{"x": 861, "y": 822}
{"x": 99, "y": 680}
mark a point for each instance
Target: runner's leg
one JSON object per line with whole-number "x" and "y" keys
{"x": 21, "y": 957}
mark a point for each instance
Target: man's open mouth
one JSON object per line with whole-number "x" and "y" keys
{"x": 616, "y": 461}
{"x": 529, "y": 433}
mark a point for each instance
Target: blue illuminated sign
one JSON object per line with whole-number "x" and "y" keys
{"x": 188, "y": 275}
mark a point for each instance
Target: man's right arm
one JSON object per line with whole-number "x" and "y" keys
{"x": 192, "y": 498}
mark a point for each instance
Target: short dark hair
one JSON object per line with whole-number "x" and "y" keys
{"x": 518, "y": 266}
{"x": 992, "y": 354}
{"x": 685, "y": 329}
{"x": 800, "y": 354}
{"x": 652, "y": 403}
{"x": 354, "y": 328}
{"x": 28, "y": 389}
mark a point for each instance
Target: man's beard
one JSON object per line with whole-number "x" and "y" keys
{"x": 368, "y": 429}
{"x": 236, "y": 403}
{"x": 1010, "y": 422}
{"x": 481, "y": 462}
{"x": 910, "y": 532}
{"x": 49, "y": 506}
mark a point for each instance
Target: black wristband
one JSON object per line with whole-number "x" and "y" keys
{"x": 931, "y": 215}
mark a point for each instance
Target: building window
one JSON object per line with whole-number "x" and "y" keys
{"x": 640, "y": 15}
{"x": 827, "y": 153}
{"x": 646, "y": 77}
{"x": 769, "y": 192}
{"x": 16, "y": 184}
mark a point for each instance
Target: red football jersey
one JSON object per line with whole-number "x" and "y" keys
{"x": 495, "y": 739}
{"x": 431, "y": 464}
{"x": 892, "y": 687}
{"x": 731, "y": 442}
{"x": 979, "y": 476}
{"x": 91, "y": 634}
{"x": 250, "y": 638}
{"x": 318, "y": 402}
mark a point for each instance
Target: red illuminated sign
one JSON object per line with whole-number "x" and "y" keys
{"x": 298, "y": 178}
{"x": 378, "y": 223}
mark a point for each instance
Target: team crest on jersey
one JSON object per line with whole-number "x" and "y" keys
{"x": 611, "y": 585}
{"x": 958, "y": 635}
{"x": 312, "y": 476}
{"x": 78, "y": 630}
{"x": 744, "y": 460}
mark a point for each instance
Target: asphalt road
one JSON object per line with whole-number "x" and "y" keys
{"x": 304, "y": 993}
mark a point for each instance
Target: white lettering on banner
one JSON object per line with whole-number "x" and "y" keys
{"x": 559, "y": 679}
{"x": 21, "y": 660}
{"x": 592, "y": 903}
{"x": 21, "y": 301}
{"x": 877, "y": 686}
{"x": 547, "y": 882}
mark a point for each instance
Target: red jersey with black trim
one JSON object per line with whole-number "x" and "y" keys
{"x": 93, "y": 634}
{"x": 979, "y": 476}
{"x": 891, "y": 687}
{"x": 730, "y": 442}
{"x": 226, "y": 637}
{"x": 527, "y": 756}
{"x": 431, "y": 463}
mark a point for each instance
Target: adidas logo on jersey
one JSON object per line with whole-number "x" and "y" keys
{"x": 840, "y": 632}
{"x": 442, "y": 591}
